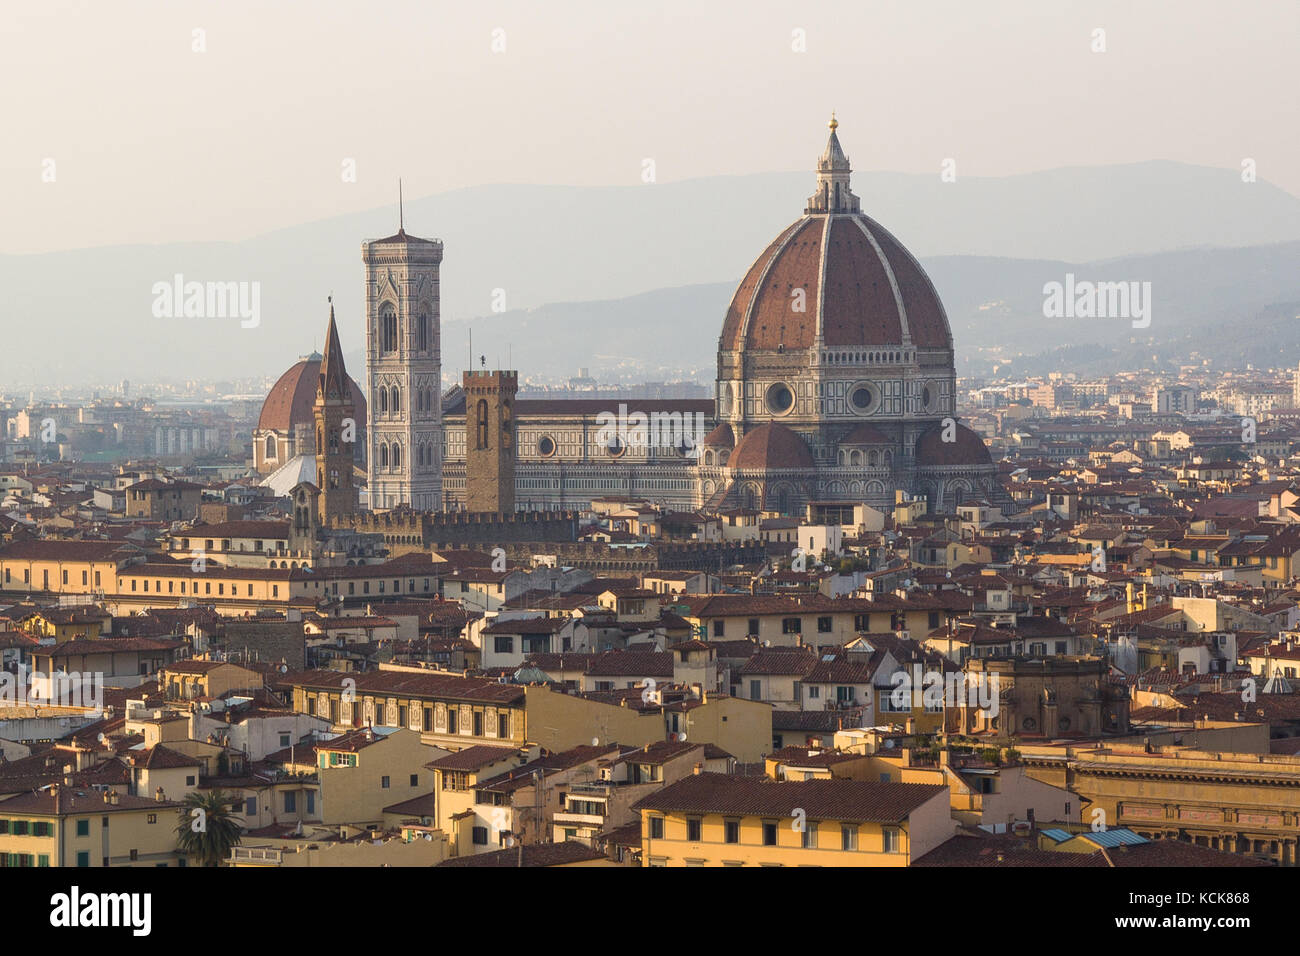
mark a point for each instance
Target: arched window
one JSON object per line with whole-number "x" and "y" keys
{"x": 422, "y": 332}
{"x": 383, "y": 399}
{"x": 873, "y": 458}
{"x": 270, "y": 446}
{"x": 388, "y": 327}
{"x": 481, "y": 429}
{"x": 397, "y": 400}
{"x": 397, "y": 457}
{"x": 383, "y": 455}
{"x": 428, "y": 399}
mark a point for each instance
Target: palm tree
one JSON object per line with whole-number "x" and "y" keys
{"x": 206, "y": 828}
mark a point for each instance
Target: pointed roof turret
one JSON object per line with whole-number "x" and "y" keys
{"x": 833, "y": 193}
{"x": 333, "y": 376}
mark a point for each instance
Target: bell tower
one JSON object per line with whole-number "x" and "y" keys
{"x": 403, "y": 371}
{"x": 336, "y": 432}
{"x": 490, "y": 441}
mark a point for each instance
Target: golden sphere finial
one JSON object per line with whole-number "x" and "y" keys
{"x": 834, "y": 123}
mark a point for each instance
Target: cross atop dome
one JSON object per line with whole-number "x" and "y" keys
{"x": 833, "y": 194}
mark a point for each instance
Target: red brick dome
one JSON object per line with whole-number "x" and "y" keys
{"x": 872, "y": 288}
{"x": 835, "y": 272}
{"x": 771, "y": 446}
{"x": 291, "y": 398}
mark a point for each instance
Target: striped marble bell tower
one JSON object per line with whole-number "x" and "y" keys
{"x": 403, "y": 372}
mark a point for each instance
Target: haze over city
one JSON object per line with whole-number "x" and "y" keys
{"x": 861, "y": 435}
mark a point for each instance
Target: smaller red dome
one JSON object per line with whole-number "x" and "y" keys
{"x": 292, "y": 398}
{"x": 720, "y": 437}
{"x": 771, "y": 446}
{"x": 865, "y": 434}
{"x": 966, "y": 448}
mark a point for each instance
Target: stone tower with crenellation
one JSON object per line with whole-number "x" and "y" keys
{"x": 490, "y": 441}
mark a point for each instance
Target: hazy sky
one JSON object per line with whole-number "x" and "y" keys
{"x": 153, "y": 142}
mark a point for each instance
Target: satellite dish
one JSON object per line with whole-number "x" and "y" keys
{"x": 948, "y": 575}
{"x": 681, "y": 738}
{"x": 101, "y": 738}
{"x": 595, "y": 741}
{"x": 284, "y": 668}
{"x": 889, "y": 744}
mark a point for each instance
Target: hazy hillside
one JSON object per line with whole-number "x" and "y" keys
{"x": 86, "y": 314}
{"x": 1206, "y": 300}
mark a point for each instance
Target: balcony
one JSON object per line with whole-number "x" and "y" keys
{"x": 579, "y": 819}
{"x": 258, "y": 855}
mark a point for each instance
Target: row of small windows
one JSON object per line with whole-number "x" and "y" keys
{"x": 872, "y": 459}
{"x": 857, "y": 358}
{"x": 388, "y": 329}
{"x": 389, "y": 400}
{"x": 389, "y": 456}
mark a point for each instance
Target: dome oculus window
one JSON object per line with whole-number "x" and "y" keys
{"x": 615, "y": 447}
{"x": 546, "y": 446}
{"x": 780, "y": 399}
{"x": 863, "y": 399}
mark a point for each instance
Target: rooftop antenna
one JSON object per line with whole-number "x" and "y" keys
{"x": 401, "y": 217}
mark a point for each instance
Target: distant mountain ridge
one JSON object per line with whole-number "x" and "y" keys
{"x": 1209, "y": 301}
{"x": 86, "y": 315}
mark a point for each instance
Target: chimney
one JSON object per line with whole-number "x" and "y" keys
{"x": 115, "y": 799}
{"x": 159, "y": 795}
{"x": 699, "y": 769}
